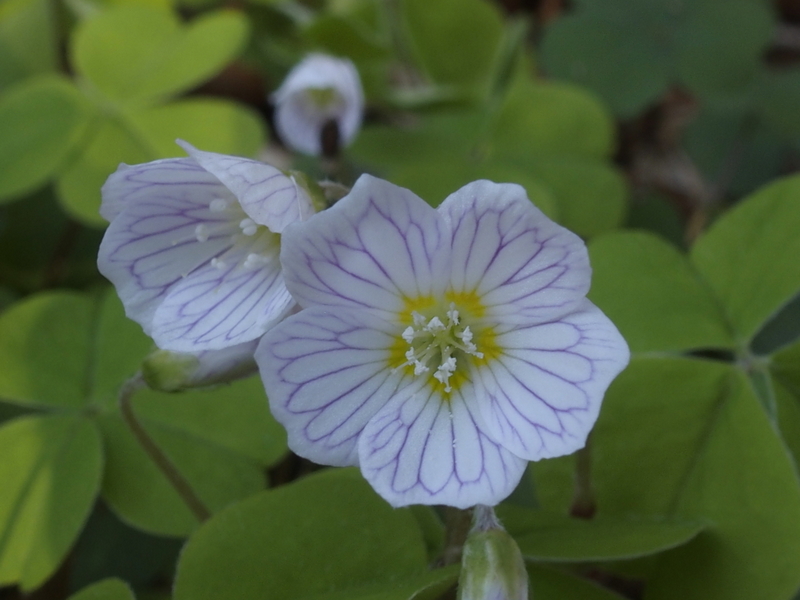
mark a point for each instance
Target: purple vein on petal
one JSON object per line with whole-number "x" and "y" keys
{"x": 364, "y": 253}
{"x": 416, "y": 451}
{"x": 326, "y": 375}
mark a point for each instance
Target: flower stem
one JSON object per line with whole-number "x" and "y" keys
{"x": 457, "y": 523}
{"x": 484, "y": 518}
{"x": 583, "y": 501}
{"x": 161, "y": 460}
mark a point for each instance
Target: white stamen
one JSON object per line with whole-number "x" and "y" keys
{"x": 254, "y": 260}
{"x": 411, "y": 359}
{"x": 201, "y": 233}
{"x": 218, "y": 205}
{"x": 434, "y": 325}
{"x": 431, "y": 342}
{"x": 445, "y": 370}
{"x": 452, "y": 315}
{"x": 217, "y": 263}
{"x": 248, "y": 226}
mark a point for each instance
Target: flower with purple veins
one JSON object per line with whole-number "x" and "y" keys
{"x": 438, "y": 349}
{"x": 193, "y": 247}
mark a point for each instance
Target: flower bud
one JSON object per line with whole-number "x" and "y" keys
{"x": 320, "y": 98}
{"x": 492, "y": 567}
{"x": 314, "y": 191}
{"x": 168, "y": 371}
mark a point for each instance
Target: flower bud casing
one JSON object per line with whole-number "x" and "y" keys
{"x": 168, "y": 371}
{"x": 492, "y": 567}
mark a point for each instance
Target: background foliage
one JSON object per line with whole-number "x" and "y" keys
{"x": 665, "y": 132}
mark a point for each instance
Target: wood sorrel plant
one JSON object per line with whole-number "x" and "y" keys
{"x": 689, "y": 488}
{"x": 438, "y": 350}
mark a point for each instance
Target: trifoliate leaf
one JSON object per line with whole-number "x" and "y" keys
{"x": 333, "y": 524}
{"x": 42, "y": 120}
{"x": 138, "y": 55}
{"x": 749, "y": 256}
{"x": 51, "y": 471}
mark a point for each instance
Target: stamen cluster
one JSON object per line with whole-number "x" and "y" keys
{"x": 432, "y": 342}
{"x": 245, "y": 228}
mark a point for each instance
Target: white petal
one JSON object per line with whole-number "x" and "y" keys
{"x": 299, "y": 122}
{"x": 152, "y": 241}
{"x": 131, "y": 183}
{"x": 300, "y": 126}
{"x": 375, "y": 248}
{"x": 541, "y": 397}
{"x": 522, "y": 265}
{"x": 214, "y": 307}
{"x": 266, "y": 194}
{"x": 326, "y": 375}
{"x": 420, "y": 449}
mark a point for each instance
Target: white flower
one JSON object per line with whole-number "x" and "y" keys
{"x": 317, "y": 91}
{"x": 438, "y": 349}
{"x": 193, "y": 247}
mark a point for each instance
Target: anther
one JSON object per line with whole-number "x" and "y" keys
{"x": 254, "y": 260}
{"x": 217, "y": 263}
{"x": 218, "y": 205}
{"x": 248, "y": 226}
{"x": 435, "y": 324}
{"x": 201, "y": 233}
{"x": 445, "y": 370}
{"x": 452, "y": 315}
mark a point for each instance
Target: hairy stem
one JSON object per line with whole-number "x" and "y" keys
{"x": 161, "y": 460}
{"x": 457, "y": 524}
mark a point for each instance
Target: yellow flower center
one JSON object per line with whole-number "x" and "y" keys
{"x": 438, "y": 342}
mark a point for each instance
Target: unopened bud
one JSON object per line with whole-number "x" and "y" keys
{"x": 492, "y": 567}
{"x": 168, "y": 371}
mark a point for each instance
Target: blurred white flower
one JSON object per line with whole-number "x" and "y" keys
{"x": 317, "y": 92}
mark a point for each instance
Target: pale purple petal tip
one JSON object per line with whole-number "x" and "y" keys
{"x": 524, "y": 266}
{"x": 374, "y": 248}
{"x": 541, "y": 398}
{"x": 266, "y": 194}
{"x": 326, "y": 376}
{"x": 421, "y": 450}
